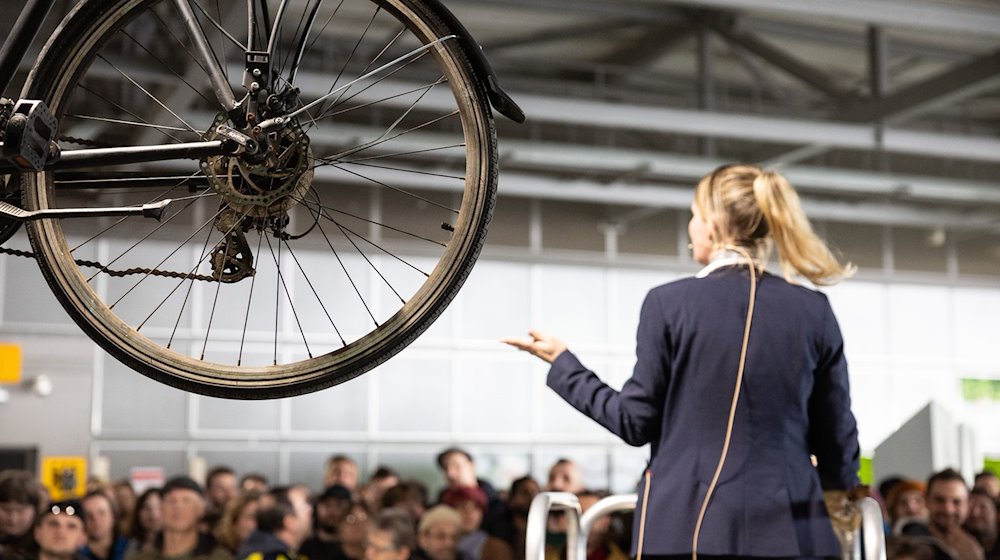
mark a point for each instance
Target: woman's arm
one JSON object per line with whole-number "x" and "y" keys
{"x": 634, "y": 413}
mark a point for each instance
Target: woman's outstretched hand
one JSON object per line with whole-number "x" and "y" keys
{"x": 539, "y": 344}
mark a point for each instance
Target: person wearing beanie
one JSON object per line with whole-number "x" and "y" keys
{"x": 183, "y": 507}
{"x": 60, "y": 531}
{"x": 475, "y": 543}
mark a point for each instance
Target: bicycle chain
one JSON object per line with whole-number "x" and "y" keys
{"x": 121, "y": 273}
{"x": 105, "y": 269}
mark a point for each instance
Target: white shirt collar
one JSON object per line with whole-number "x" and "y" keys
{"x": 719, "y": 260}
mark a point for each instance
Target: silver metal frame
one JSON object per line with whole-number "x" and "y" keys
{"x": 579, "y": 525}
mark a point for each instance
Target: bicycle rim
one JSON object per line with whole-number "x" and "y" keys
{"x": 273, "y": 278}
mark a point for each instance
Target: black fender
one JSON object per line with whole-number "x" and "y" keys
{"x": 499, "y": 99}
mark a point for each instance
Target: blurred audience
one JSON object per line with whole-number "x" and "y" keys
{"x": 125, "y": 503}
{"x": 332, "y": 507}
{"x": 254, "y": 481}
{"x": 183, "y": 507}
{"x": 20, "y": 502}
{"x": 907, "y": 500}
{"x": 391, "y": 536}
{"x": 474, "y": 542}
{"x": 988, "y": 481}
{"x": 101, "y": 520}
{"x": 284, "y": 521}
{"x": 239, "y": 520}
{"x": 948, "y": 507}
{"x": 60, "y": 531}
{"x": 147, "y": 521}
{"x": 342, "y": 470}
{"x": 437, "y": 535}
{"x": 381, "y": 480}
{"x": 982, "y": 522}
{"x": 409, "y": 495}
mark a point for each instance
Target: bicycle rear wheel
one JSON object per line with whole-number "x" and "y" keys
{"x": 279, "y": 276}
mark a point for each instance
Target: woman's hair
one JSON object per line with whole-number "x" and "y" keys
{"x": 755, "y": 209}
{"x": 136, "y": 530}
{"x": 225, "y": 531}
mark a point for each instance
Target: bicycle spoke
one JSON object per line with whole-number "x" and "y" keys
{"x": 319, "y": 300}
{"x": 246, "y": 319}
{"x": 215, "y": 302}
{"x": 159, "y": 264}
{"x": 187, "y": 293}
{"x": 417, "y": 171}
{"x": 373, "y": 244}
{"x": 399, "y": 190}
{"x": 159, "y": 197}
{"x": 373, "y": 222}
{"x": 128, "y": 123}
{"x": 338, "y": 157}
{"x": 166, "y": 66}
{"x": 160, "y": 128}
{"x": 159, "y": 226}
{"x": 148, "y": 94}
{"x": 351, "y": 279}
{"x": 323, "y": 29}
{"x": 288, "y": 295}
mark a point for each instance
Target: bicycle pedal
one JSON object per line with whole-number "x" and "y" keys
{"x": 29, "y": 133}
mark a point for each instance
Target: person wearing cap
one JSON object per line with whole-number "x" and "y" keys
{"x": 183, "y": 507}
{"x": 60, "y": 531}
{"x": 284, "y": 520}
{"x": 475, "y": 543}
{"x": 332, "y": 506}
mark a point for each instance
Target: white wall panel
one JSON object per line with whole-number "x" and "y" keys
{"x": 862, "y": 311}
{"x": 572, "y": 304}
{"x": 977, "y": 327}
{"x": 495, "y": 301}
{"x": 494, "y": 394}
{"x": 415, "y": 394}
{"x": 920, "y": 323}
{"x": 626, "y": 292}
{"x": 135, "y": 406}
{"x": 343, "y": 408}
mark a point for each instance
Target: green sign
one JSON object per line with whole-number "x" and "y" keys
{"x": 981, "y": 389}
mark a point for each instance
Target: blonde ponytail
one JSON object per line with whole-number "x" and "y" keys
{"x": 756, "y": 209}
{"x": 799, "y": 248}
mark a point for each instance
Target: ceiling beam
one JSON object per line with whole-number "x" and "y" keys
{"x": 778, "y": 58}
{"x": 892, "y": 14}
{"x": 653, "y": 43}
{"x": 948, "y": 87}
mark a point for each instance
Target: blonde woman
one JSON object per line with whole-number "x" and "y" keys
{"x": 740, "y": 377}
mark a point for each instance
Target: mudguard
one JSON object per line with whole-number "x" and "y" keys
{"x": 499, "y": 99}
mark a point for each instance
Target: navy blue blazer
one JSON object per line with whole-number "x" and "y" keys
{"x": 795, "y": 401}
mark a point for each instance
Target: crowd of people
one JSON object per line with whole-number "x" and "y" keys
{"x": 942, "y": 518}
{"x": 243, "y": 518}
{"x": 392, "y": 518}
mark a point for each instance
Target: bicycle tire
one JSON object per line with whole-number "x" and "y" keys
{"x": 67, "y": 77}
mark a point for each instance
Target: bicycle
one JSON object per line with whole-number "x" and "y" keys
{"x": 224, "y": 184}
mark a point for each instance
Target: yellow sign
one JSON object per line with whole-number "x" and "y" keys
{"x": 10, "y": 363}
{"x": 65, "y": 477}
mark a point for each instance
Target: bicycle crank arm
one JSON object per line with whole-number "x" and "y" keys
{"x": 155, "y": 210}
